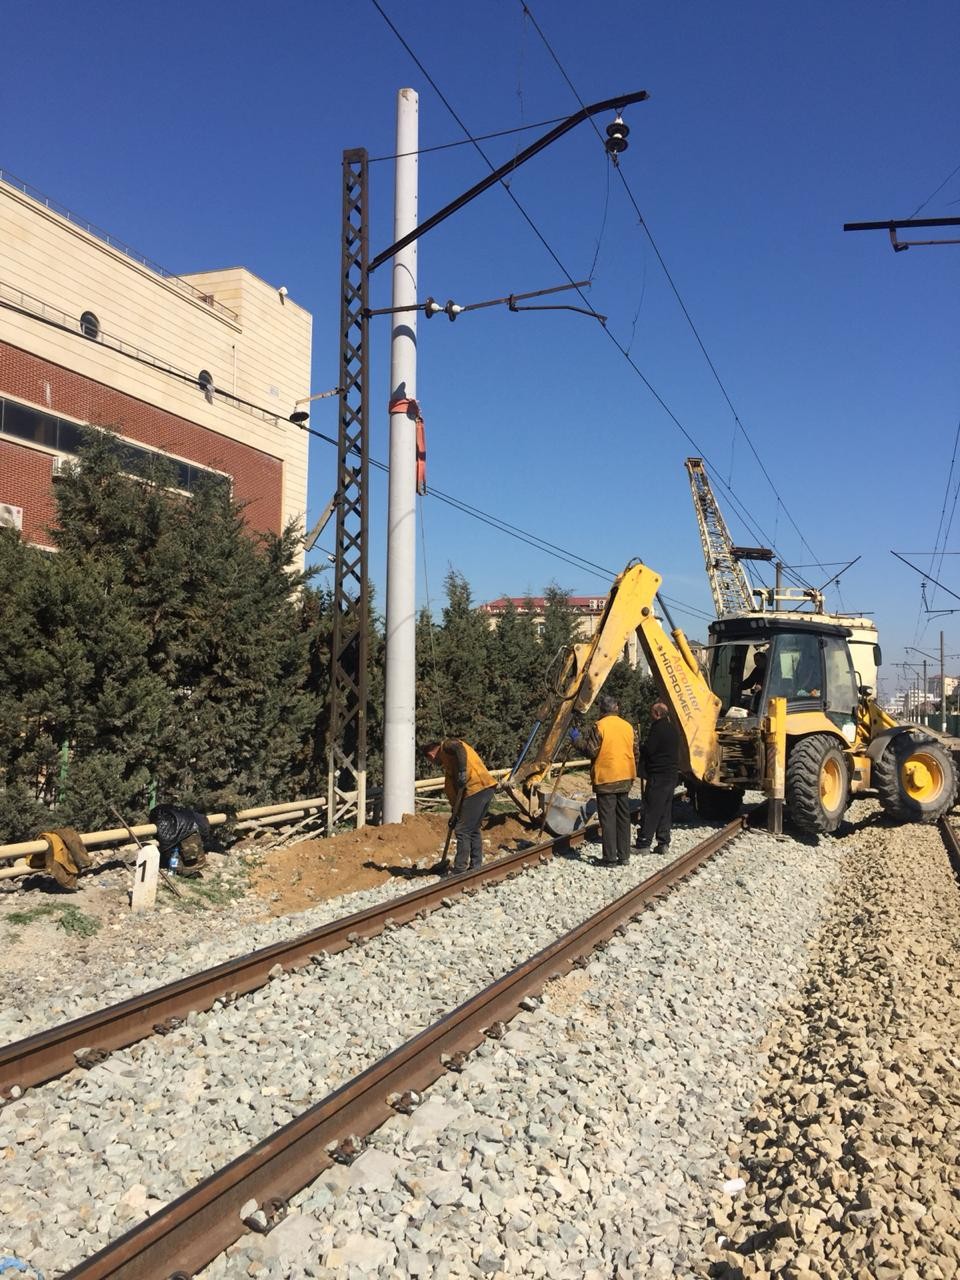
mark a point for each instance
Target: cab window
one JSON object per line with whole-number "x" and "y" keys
{"x": 841, "y": 680}
{"x": 797, "y": 670}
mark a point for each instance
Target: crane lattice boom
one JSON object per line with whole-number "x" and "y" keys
{"x": 731, "y": 589}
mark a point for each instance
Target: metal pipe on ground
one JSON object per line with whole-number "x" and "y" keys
{"x": 119, "y": 835}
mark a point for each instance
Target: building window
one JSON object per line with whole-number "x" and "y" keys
{"x": 21, "y": 422}
{"x": 89, "y": 325}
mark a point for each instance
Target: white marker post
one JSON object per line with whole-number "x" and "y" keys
{"x": 143, "y": 897}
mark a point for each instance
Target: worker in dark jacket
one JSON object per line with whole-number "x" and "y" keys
{"x": 660, "y": 767}
{"x": 611, "y": 744}
{"x": 469, "y": 787}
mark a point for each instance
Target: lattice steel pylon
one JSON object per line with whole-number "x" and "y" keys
{"x": 729, "y": 584}
{"x": 347, "y": 745}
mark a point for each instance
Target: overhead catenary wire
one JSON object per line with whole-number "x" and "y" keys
{"x": 923, "y": 205}
{"x": 514, "y": 531}
{"x": 936, "y": 560}
{"x": 744, "y": 515}
{"x": 738, "y": 424}
{"x": 465, "y": 142}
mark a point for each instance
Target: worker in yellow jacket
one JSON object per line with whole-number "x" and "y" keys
{"x": 469, "y": 787}
{"x": 611, "y": 744}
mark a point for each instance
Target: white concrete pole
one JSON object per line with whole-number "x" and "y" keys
{"x": 399, "y": 746}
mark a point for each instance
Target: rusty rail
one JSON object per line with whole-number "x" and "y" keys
{"x": 194, "y": 1229}
{"x": 951, "y": 842}
{"x": 52, "y": 1052}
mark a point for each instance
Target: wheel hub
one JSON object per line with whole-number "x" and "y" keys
{"x": 922, "y": 778}
{"x": 831, "y": 785}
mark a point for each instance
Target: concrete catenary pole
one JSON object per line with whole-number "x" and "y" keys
{"x": 399, "y": 747}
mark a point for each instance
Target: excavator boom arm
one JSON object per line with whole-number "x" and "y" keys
{"x": 629, "y": 609}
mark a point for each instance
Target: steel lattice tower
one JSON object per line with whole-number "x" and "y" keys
{"x": 347, "y": 747}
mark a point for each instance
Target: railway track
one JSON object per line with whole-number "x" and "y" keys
{"x": 52, "y": 1052}
{"x": 951, "y": 842}
{"x": 199, "y": 1225}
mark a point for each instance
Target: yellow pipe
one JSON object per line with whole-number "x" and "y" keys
{"x": 115, "y": 835}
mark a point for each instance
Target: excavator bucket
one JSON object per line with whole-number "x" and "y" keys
{"x": 566, "y": 814}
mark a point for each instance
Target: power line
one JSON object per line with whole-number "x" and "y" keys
{"x": 934, "y": 561}
{"x": 952, "y": 173}
{"x": 744, "y": 515}
{"x": 533, "y": 540}
{"x": 676, "y": 292}
{"x": 465, "y": 142}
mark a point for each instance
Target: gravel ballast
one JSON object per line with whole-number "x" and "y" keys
{"x": 88, "y": 1155}
{"x": 758, "y": 1078}
{"x": 852, "y": 1151}
{"x": 592, "y": 1139}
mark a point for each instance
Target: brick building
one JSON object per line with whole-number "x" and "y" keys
{"x": 203, "y": 368}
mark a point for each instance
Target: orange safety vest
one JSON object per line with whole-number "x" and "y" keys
{"x": 478, "y": 776}
{"x": 615, "y": 761}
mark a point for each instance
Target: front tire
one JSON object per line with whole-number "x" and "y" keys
{"x": 915, "y": 778}
{"x": 818, "y": 784}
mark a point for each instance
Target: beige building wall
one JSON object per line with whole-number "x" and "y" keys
{"x": 255, "y": 345}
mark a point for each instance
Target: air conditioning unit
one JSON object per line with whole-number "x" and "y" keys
{"x": 10, "y": 517}
{"x": 60, "y": 467}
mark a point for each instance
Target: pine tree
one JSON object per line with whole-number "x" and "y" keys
{"x": 461, "y": 679}
{"x": 560, "y": 624}
{"x": 431, "y": 687}
{"x": 516, "y": 684}
{"x": 30, "y": 681}
{"x": 222, "y": 612}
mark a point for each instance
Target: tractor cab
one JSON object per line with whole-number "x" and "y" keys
{"x": 836, "y": 740}
{"x": 804, "y": 659}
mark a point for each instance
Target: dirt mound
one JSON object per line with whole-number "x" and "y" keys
{"x": 304, "y": 874}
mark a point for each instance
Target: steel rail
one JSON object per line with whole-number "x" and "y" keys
{"x": 951, "y": 842}
{"x": 52, "y": 1052}
{"x": 194, "y": 1229}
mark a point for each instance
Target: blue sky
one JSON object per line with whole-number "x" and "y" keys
{"x": 210, "y": 134}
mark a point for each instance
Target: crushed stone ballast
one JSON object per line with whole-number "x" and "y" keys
{"x": 195, "y": 1228}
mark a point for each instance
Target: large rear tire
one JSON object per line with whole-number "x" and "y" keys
{"x": 716, "y": 804}
{"x": 818, "y": 784}
{"x": 915, "y": 778}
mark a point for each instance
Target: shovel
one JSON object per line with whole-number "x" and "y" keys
{"x": 444, "y": 863}
{"x": 160, "y": 871}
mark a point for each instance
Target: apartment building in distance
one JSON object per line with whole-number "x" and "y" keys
{"x": 203, "y": 368}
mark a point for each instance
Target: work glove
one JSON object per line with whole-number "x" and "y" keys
{"x": 461, "y": 780}
{"x": 574, "y": 735}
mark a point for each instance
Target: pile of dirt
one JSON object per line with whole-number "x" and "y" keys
{"x": 304, "y": 874}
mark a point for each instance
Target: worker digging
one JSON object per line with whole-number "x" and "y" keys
{"x": 469, "y": 787}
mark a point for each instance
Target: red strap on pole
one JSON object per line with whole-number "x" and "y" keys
{"x": 411, "y": 407}
{"x": 421, "y": 457}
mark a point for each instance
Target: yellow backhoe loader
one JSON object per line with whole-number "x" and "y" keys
{"x": 783, "y": 713}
